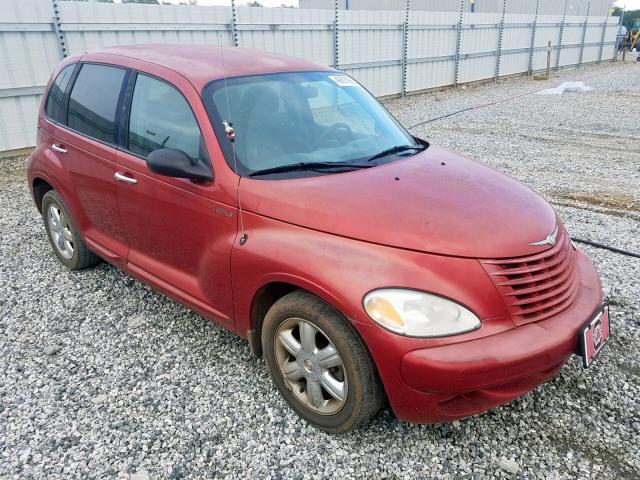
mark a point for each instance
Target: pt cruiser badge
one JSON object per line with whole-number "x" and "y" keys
{"x": 550, "y": 240}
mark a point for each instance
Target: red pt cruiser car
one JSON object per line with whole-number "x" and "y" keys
{"x": 280, "y": 200}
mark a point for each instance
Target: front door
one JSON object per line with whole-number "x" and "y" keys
{"x": 180, "y": 237}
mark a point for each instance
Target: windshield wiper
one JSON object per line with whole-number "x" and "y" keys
{"x": 302, "y": 166}
{"x": 396, "y": 149}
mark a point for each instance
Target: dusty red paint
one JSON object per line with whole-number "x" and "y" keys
{"x": 421, "y": 223}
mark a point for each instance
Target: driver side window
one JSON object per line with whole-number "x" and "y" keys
{"x": 161, "y": 118}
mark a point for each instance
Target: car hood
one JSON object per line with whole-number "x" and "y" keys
{"x": 436, "y": 201}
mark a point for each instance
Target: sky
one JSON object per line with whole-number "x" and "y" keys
{"x": 630, "y": 4}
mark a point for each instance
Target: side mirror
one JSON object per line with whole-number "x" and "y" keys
{"x": 172, "y": 162}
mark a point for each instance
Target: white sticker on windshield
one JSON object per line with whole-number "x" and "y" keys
{"x": 344, "y": 80}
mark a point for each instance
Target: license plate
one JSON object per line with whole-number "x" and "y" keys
{"x": 593, "y": 336}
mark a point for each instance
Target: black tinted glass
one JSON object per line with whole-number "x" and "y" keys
{"x": 54, "y": 108}
{"x": 94, "y": 99}
{"x": 161, "y": 118}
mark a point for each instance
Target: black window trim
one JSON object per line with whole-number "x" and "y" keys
{"x": 72, "y": 82}
{"x": 117, "y": 134}
{"x": 124, "y": 113}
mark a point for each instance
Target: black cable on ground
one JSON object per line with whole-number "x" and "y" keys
{"x": 607, "y": 247}
{"x": 475, "y": 107}
{"x": 496, "y": 102}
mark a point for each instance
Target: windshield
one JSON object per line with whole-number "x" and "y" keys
{"x": 296, "y": 118}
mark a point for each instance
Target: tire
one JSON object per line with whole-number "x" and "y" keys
{"x": 63, "y": 235}
{"x": 298, "y": 317}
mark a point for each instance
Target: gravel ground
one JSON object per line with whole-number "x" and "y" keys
{"x": 105, "y": 378}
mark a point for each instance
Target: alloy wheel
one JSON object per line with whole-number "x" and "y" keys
{"x": 311, "y": 366}
{"x": 60, "y": 231}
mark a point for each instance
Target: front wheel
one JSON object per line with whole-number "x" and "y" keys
{"x": 319, "y": 364}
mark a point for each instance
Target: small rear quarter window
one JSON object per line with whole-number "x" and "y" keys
{"x": 55, "y": 108}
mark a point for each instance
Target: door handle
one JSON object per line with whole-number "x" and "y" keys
{"x": 58, "y": 148}
{"x": 123, "y": 178}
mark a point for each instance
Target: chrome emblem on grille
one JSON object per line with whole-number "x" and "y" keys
{"x": 550, "y": 240}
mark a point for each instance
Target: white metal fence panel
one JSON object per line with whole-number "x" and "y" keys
{"x": 478, "y": 46}
{"x": 516, "y": 42}
{"x": 571, "y": 40}
{"x": 389, "y": 52}
{"x": 431, "y": 49}
{"x": 547, "y": 7}
{"x": 28, "y": 53}
{"x": 371, "y": 48}
{"x": 547, "y": 30}
{"x": 300, "y": 33}
{"x": 592, "y": 39}
{"x": 425, "y": 5}
{"x": 90, "y": 25}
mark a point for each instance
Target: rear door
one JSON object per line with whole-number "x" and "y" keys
{"x": 180, "y": 235}
{"x": 84, "y": 142}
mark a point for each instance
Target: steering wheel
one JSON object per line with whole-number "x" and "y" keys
{"x": 333, "y": 130}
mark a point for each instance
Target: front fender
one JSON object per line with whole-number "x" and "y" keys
{"x": 342, "y": 271}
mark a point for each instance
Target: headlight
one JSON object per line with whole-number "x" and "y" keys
{"x": 418, "y": 314}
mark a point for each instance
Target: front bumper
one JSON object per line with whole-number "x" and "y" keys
{"x": 458, "y": 380}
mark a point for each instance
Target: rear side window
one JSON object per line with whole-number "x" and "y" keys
{"x": 54, "y": 108}
{"x": 161, "y": 118}
{"x": 94, "y": 100}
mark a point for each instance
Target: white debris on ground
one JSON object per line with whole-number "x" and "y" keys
{"x": 576, "y": 87}
{"x": 102, "y": 377}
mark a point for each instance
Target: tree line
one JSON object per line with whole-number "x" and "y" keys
{"x": 630, "y": 16}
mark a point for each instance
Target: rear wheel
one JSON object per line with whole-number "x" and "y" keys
{"x": 63, "y": 235}
{"x": 319, "y": 363}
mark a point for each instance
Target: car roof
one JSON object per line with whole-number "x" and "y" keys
{"x": 201, "y": 64}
